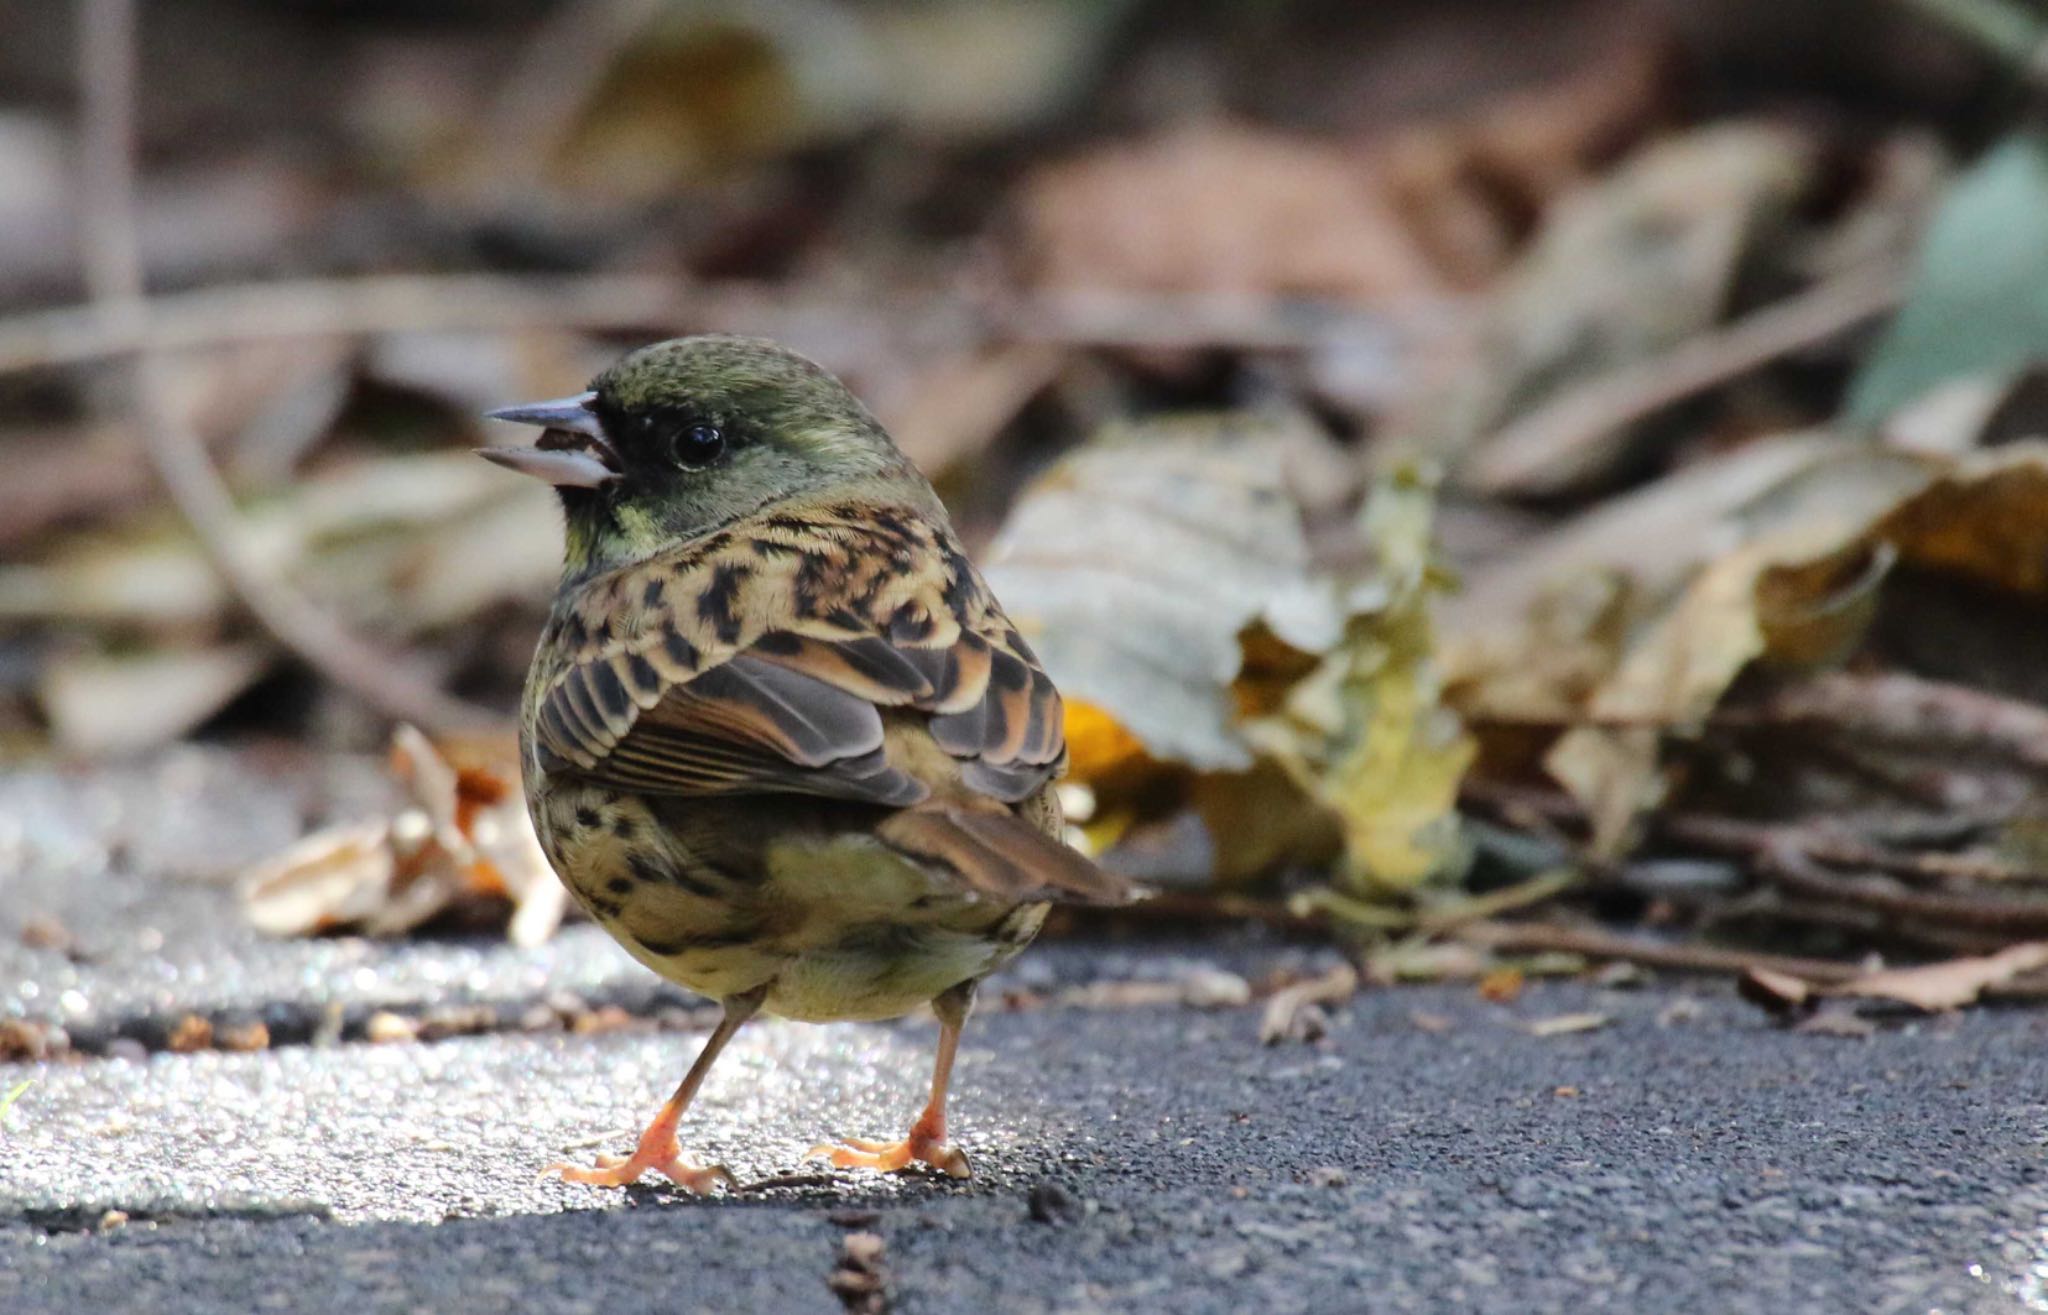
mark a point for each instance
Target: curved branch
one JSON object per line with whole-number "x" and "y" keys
{"x": 113, "y": 268}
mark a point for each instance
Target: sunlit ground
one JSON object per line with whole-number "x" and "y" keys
{"x": 465, "y": 1126}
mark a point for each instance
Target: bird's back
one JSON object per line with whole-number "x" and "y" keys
{"x": 809, "y": 749}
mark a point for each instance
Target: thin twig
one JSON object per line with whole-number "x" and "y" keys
{"x": 1727, "y": 835}
{"x": 399, "y": 303}
{"x": 1792, "y": 857}
{"x": 1529, "y": 452}
{"x": 113, "y": 266}
{"x": 1798, "y": 872}
{"x": 343, "y": 308}
{"x": 1915, "y": 712}
{"x": 1545, "y": 937}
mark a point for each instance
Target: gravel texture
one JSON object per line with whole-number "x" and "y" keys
{"x": 1432, "y": 1152}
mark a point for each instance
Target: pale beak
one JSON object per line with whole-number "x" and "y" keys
{"x": 572, "y": 451}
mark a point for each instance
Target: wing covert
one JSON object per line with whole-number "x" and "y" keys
{"x": 763, "y": 658}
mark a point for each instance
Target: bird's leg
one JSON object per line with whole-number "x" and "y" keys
{"x": 927, "y": 1142}
{"x": 658, "y": 1149}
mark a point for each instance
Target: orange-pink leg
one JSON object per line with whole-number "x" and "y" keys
{"x": 926, "y": 1143}
{"x": 658, "y": 1149}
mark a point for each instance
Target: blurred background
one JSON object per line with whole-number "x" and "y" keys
{"x": 1500, "y": 482}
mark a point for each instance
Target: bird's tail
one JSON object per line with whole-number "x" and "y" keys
{"x": 1000, "y": 856}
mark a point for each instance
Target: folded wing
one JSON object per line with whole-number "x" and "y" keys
{"x": 763, "y": 659}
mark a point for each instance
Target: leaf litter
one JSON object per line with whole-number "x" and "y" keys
{"x": 1448, "y": 517}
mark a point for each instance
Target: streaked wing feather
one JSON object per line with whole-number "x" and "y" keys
{"x": 758, "y": 659}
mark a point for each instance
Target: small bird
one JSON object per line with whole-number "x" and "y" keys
{"x": 778, "y": 738}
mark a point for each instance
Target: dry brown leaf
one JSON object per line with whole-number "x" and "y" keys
{"x": 1933, "y": 987}
{"x": 1775, "y": 991}
{"x": 1621, "y": 271}
{"x": 464, "y": 836}
{"x": 1464, "y": 183}
{"x": 1289, "y": 1009}
{"x": 1226, "y": 209}
{"x": 1796, "y": 588}
{"x": 1135, "y": 563}
{"x": 332, "y": 878}
{"x": 1951, "y": 985}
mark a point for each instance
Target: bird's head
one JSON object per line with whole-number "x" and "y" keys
{"x": 686, "y": 435}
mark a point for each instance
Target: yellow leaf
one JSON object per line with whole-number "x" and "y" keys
{"x": 1366, "y": 734}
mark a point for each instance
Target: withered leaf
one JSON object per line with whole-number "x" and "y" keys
{"x": 1949, "y": 985}
{"x": 1134, "y": 565}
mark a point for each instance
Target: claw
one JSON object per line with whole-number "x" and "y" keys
{"x": 622, "y": 1171}
{"x": 893, "y": 1157}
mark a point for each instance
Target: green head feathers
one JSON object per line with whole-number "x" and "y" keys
{"x": 686, "y": 435}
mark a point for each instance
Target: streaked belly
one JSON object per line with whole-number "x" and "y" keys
{"x": 843, "y": 927}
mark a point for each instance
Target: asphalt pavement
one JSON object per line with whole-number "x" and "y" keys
{"x": 1433, "y": 1151}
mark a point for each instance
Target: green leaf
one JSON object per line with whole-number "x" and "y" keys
{"x": 1977, "y": 306}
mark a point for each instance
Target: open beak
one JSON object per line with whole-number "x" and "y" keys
{"x": 572, "y": 451}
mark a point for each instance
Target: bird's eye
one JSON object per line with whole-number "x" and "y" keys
{"x": 697, "y": 446}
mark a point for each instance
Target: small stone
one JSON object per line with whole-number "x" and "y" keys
{"x": 22, "y": 1039}
{"x": 1216, "y": 988}
{"x": 46, "y": 933}
{"x": 858, "y": 1280}
{"x": 128, "y": 1050}
{"x": 190, "y": 1033}
{"x": 604, "y": 1018}
{"x": 245, "y": 1036}
{"x": 1050, "y": 1203}
{"x": 112, "y": 1220}
{"x": 1327, "y": 1175}
{"x": 1621, "y": 975}
{"x": 386, "y": 1028}
{"x": 456, "y": 1020}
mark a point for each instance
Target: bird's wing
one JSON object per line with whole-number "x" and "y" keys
{"x": 760, "y": 659}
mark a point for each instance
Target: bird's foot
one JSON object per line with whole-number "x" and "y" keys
{"x": 893, "y": 1157}
{"x": 667, "y": 1160}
